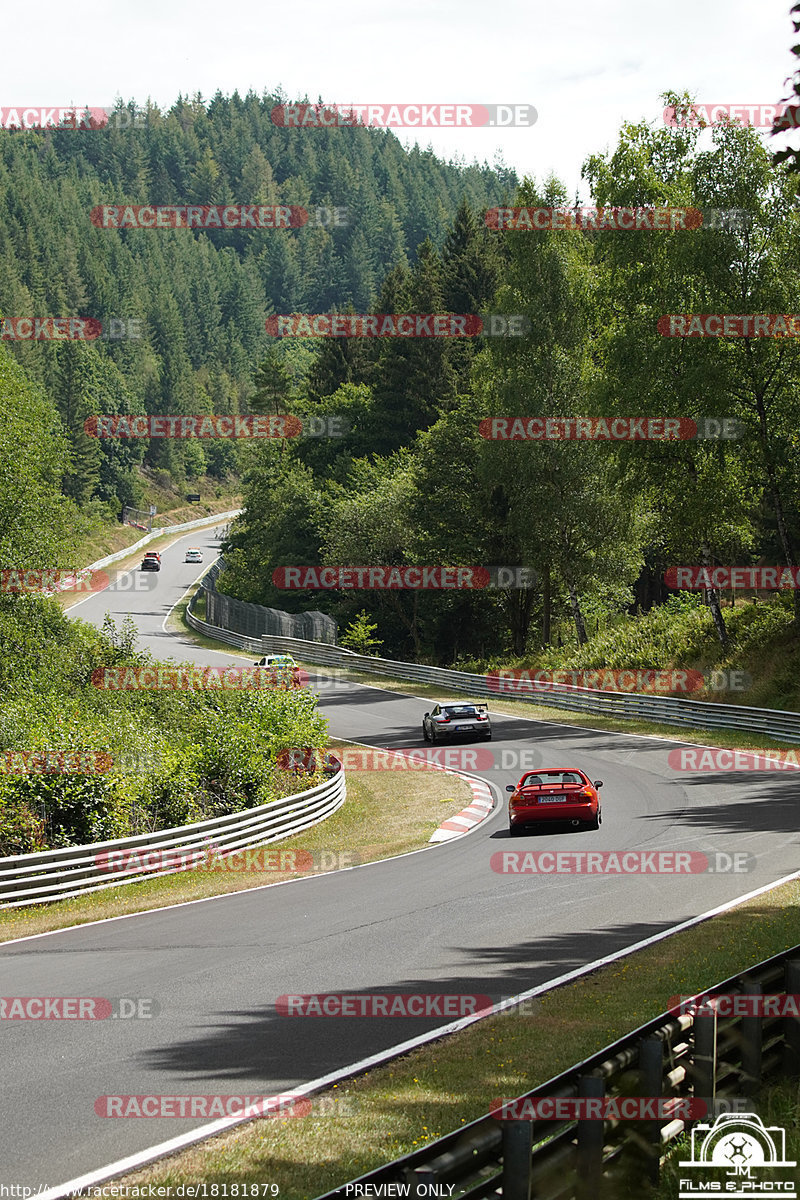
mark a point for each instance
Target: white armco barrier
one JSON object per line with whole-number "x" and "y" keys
{"x": 77, "y": 870}
{"x": 666, "y": 710}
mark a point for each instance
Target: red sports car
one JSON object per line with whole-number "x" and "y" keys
{"x": 564, "y": 794}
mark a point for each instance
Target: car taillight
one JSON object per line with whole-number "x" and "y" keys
{"x": 482, "y": 717}
{"x": 586, "y": 791}
{"x": 443, "y": 719}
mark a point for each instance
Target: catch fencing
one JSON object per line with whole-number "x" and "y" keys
{"x": 138, "y": 518}
{"x": 700, "y": 1055}
{"x": 77, "y": 870}
{"x": 256, "y": 620}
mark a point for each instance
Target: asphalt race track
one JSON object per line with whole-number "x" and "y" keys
{"x": 435, "y": 921}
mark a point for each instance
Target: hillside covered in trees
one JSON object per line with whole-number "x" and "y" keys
{"x": 414, "y": 480}
{"x": 597, "y": 521}
{"x": 200, "y": 298}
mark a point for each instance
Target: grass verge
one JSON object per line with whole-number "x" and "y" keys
{"x": 111, "y": 540}
{"x": 399, "y": 1107}
{"x": 108, "y": 539}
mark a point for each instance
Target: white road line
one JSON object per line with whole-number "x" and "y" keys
{"x": 125, "y": 1165}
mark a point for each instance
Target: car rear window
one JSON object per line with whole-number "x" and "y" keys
{"x": 550, "y": 778}
{"x": 461, "y": 710}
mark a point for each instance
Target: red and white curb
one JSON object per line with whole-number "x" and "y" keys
{"x": 469, "y": 817}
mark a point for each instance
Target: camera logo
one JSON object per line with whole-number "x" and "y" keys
{"x": 741, "y": 1143}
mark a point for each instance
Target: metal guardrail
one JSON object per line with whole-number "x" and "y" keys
{"x": 666, "y": 710}
{"x": 700, "y": 1055}
{"x": 211, "y": 519}
{"x": 77, "y": 870}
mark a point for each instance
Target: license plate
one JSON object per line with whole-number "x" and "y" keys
{"x": 552, "y": 799}
{"x": 462, "y": 728}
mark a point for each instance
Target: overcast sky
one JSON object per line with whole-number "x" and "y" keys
{"x": 585, "y": 66}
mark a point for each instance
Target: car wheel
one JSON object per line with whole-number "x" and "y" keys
{"x": 516, "y": 830}
{"x": 432, "y": 737}
{"x": 425, "y": 732}
{"x": 488, "y": 737}
{"x": 597, "y": 821}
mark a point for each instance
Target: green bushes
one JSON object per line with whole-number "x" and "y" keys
{"x": 155, "y": 758}
{"x": 21, "y": 831}
{"x": 680, "y": 634}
